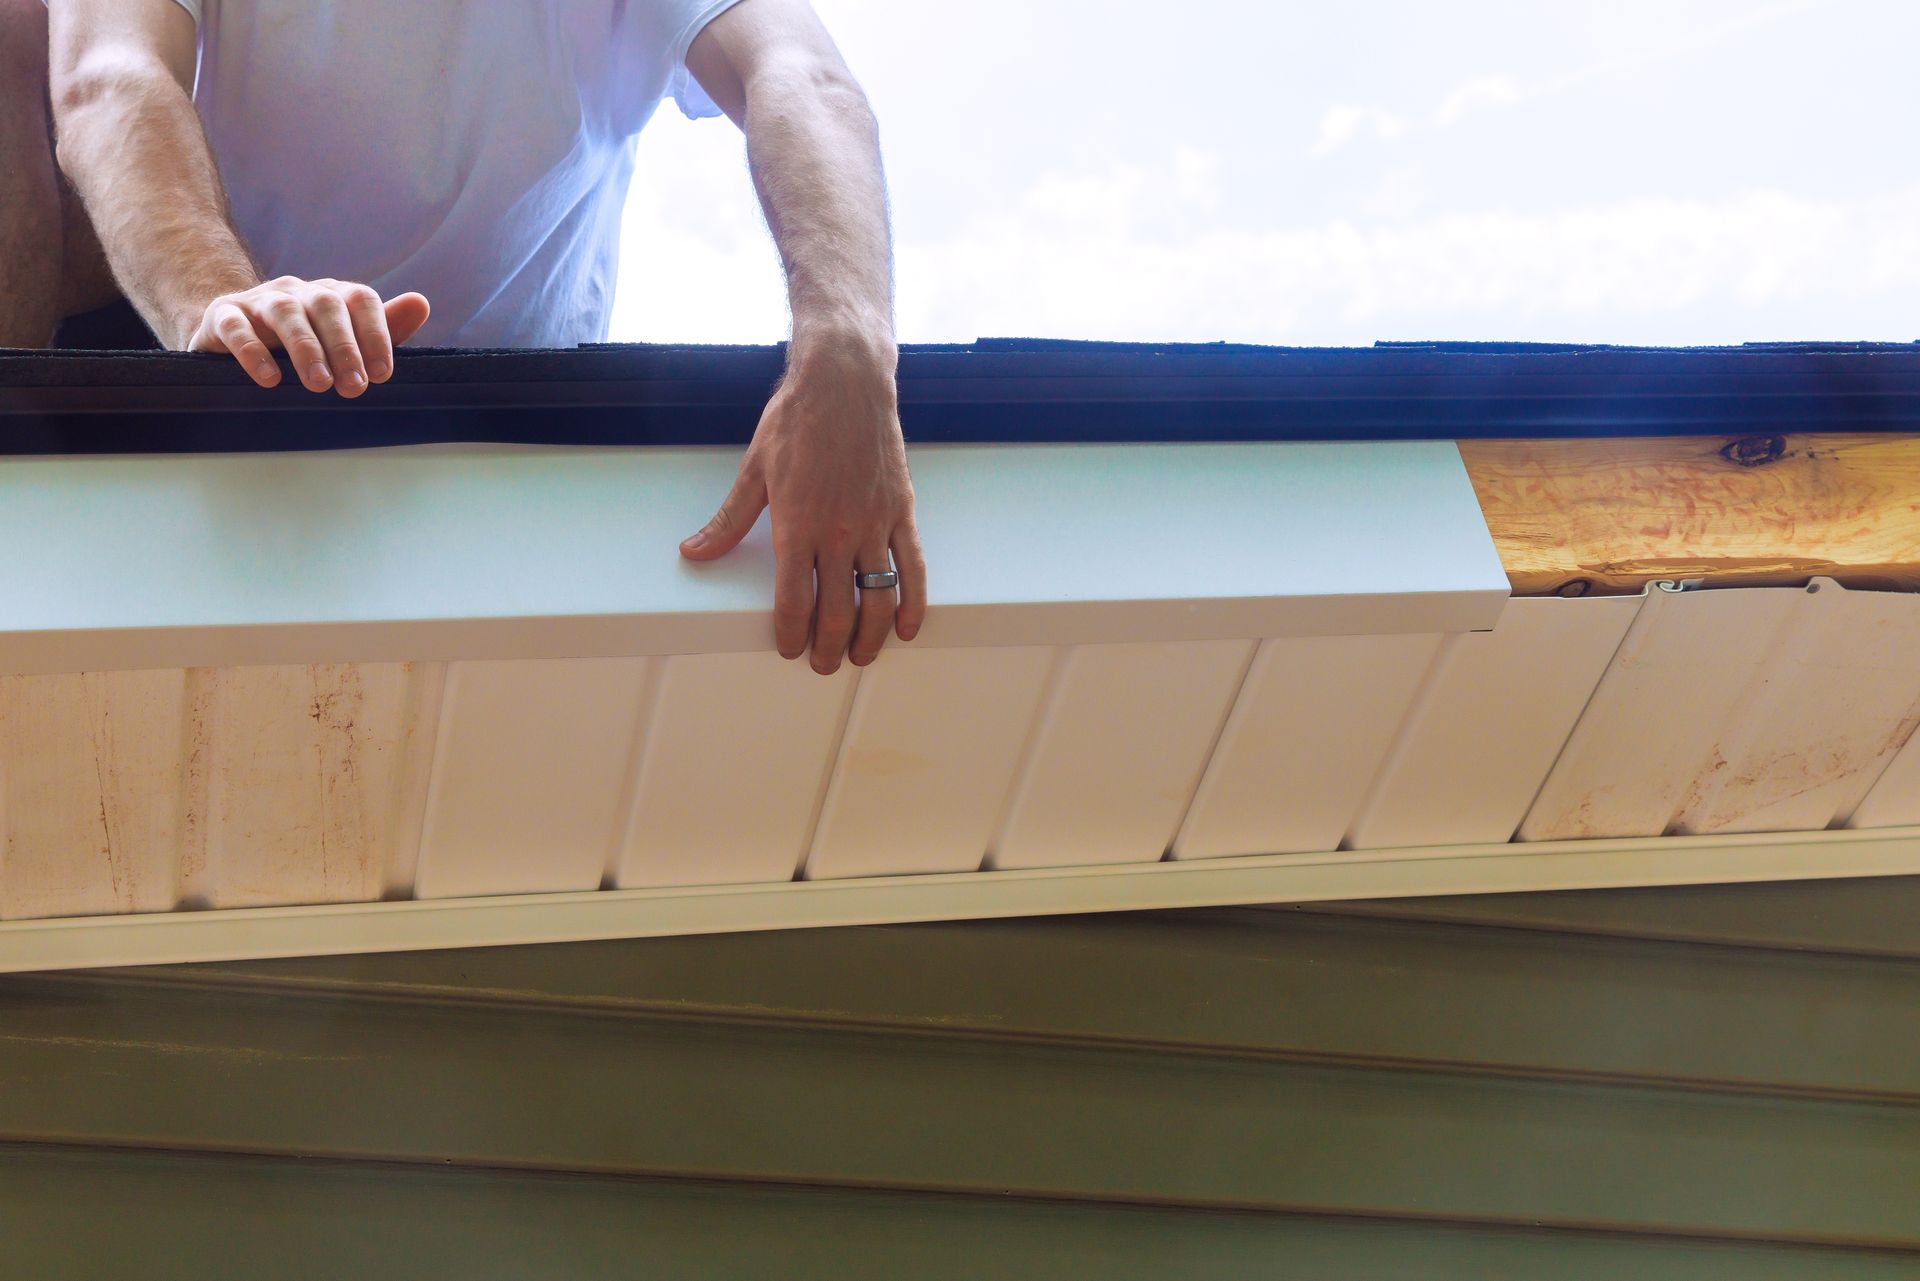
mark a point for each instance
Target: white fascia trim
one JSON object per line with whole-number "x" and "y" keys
{"x": 257, "y": 933}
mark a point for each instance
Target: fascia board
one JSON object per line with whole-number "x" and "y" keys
{"x": 447, "y": 552}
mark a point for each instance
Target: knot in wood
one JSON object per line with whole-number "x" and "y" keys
{"x": 1753, "y": 451}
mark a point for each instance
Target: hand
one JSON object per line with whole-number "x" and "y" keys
{"x": 829, "y": 460}
{"x": 337, "y": 334}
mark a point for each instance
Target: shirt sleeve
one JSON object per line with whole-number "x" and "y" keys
{"x": 681, "y": 86}
{"x": 193, "y": 11}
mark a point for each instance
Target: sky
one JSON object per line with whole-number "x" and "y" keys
{"x": 1681, "y": 172}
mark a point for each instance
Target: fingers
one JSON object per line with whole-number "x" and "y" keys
{"x": 743, "y": 505}
{"x": 792, "y": 599}
{"x": 333, "y": 329}
{"x": 876, "y": 611}
{"x": 834, "y": 616}
{"x": 336, "y": 334}
{"x": 234, "y": 334}
{"x": 285, "y": 317}
{"x": 911, "y": 563}
{"x": 369, "y": 321}
{"x": 405, "y": 314}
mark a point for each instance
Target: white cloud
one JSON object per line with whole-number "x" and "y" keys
{"x": 1345, "y": 122}
{"x": 1478, "y": 94}
{"x": 1634, "y": 270}
{"x": 1348, "y": 123}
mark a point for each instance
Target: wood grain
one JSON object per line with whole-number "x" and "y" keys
{"x": 92, "y": 765}
{"x": 1572, "y": 517}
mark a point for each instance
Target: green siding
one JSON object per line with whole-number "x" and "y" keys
{"x": 1540, "y": 1087}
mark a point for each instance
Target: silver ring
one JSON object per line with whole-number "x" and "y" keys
{"x": 879, "y": 581}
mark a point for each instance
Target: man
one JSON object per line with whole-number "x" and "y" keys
{"x": 338, "y": 165}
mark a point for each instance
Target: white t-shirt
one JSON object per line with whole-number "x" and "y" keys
{"x": 477, "y": 151}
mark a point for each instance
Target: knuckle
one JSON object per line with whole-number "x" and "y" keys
{"x": 361, "y": 296}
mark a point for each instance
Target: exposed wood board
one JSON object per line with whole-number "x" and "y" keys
{"x": 302, "y": 769}
{"x": 689, "y": 1097}
{"x": 1488, "y": 724}
{"x": 1118, "y": 752}
{"x": 179, "y": 1216}
{"x": 1301, "y": 984}
{"x": 530, "y": 775}
{"x": 930, "y": 750}
{"x": 493, "y": 553}
{"x": 82, "y": 942}
{"x": 737, "y": 753}
{"x": 1615, "y": 514}
{"x": 1313, "y": 721}
{"x": 93, "y": 799}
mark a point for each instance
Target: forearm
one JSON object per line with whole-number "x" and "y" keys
{"x": 130, "y": 142}
{"x": 814, "y": 151}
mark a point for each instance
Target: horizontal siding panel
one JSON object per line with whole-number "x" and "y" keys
{"x": 193, "y": 1217}
{"x": 1867, "y": 916}
{"x": 410, "y": 1082}
{"x": 1275, "y": 983}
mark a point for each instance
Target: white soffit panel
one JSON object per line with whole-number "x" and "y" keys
{"x": 1313, "y": 721}
{"x": 737, "y": 753}
{"x": 1833, "y": 704}
{"x": 435, "y": 553}
{"x": 530, "y": 775}
{"x": 930, "y": 750}
{"x": 1894, "y": 800}
{"x": 1122, "y": 740}
{"x": 1755, "y": 709}
{"x": 1486, "y": 728}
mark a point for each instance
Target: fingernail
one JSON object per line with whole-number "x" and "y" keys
{"x": 269, "y": 371}
{"x": 352, "y": 381}
{"x": 696, "y": 542}
{"x": 319, "y": 373}
{"x": 378, "y": 370}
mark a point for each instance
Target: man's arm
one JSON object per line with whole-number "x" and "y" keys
{"x": 828, "y": 458}
{"x": 128, "y": 139}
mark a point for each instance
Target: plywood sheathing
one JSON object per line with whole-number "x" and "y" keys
{"x": 1573, "y": 517}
